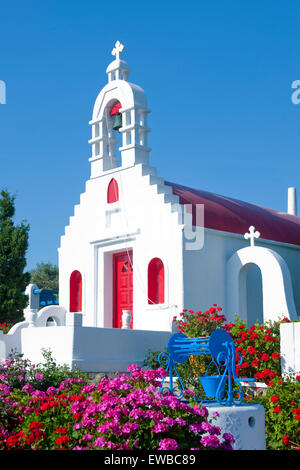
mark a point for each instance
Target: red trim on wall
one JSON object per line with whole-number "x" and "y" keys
{"x": 75, "y": 292}
{"x": 156, "y": 282}
{"x": 112, "y": 191}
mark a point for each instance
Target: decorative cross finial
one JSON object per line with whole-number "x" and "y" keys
{"x": 252, "y": 235}
{"x": 117, "y": 49}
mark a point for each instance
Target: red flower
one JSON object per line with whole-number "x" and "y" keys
{"x": 244, "y": 336}
{"x": 61, "y": 430}
{"x": 265, "y": 357}
{"x": 244, "y": 365}
{"x": 275, "y": 355}
{"x": 274, "y": 399}
{"x": 251, "y": 350}
{"x": 286, "y": 439}
{"x": 62, "y": 440}
{"x": 36, "y": 425}
{"x": 255, "y": 363}
{"x": 277, "y": 409}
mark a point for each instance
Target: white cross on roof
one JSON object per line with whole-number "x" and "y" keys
{"x": 252, "y": 235}
{"x": 117, "y": 50}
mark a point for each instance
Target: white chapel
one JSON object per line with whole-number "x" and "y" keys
{"x": 139, "y": 243}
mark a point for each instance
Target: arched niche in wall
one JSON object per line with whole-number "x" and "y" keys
{"x": 112, "y": 191}
{"x": 156, "y": 282}
{"x": 277, "y": 291}
{"x": 75, "y": 292}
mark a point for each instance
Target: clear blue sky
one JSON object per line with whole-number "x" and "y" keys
{"x": 217, "y": 75}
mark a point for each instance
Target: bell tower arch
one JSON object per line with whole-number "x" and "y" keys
{"x": 120, "y": 108}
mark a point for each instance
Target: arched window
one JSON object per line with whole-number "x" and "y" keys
{"x": 156, "y": 282}
{"x": 112, "y": 191}
{"x": 75, "y": 292}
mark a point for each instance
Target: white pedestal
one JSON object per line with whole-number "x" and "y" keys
{"x": 245, "y": 422}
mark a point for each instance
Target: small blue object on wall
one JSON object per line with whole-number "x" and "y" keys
{"x": 47, "y": 297}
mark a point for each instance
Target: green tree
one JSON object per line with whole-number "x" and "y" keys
{"x": 13, "y": 247}
{"x": 45, "y": 276}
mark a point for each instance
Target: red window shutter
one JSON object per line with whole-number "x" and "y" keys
{"x": 112, "y": 191}
{"x": 75, "y": 292}
{"x": 156, "y": 282}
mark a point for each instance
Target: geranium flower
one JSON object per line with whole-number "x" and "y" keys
{"x": 286, "y": 439}
{"x": 274, "y": 399}
{"x": 210, "y": 441}
{"x": 168, "y": 444}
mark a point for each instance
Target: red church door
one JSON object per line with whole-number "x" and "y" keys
{"x": 123, "y": 286}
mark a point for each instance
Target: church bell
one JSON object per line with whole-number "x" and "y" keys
{"x": 118, "y": 122}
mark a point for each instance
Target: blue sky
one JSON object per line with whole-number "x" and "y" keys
{"x": 218, "y": 81}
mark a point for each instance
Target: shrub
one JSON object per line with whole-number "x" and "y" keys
{"x": 259, "y": 346}
{"x": 5, "y": 326}
{"x": 122, "y": 412}
{"x": 17, "y": 372}
{"x": 282, "y": 411}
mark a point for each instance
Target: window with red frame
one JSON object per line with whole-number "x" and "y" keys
{"x": 112, "y": 191}
{"x": 75, "y": 292}
{"x": 156, "y": 282}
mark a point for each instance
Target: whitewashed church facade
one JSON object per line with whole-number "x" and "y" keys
{"x": 139, "y": 244}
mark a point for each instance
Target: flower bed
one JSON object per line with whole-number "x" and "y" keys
{"x": 259, "y": 345}
{"x": 282, "y": 410}
{"x": 125, "y": 412}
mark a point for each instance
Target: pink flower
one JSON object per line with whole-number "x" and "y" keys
{"x": 168, "y": 444}
{"x": 228, "y": 437}
{"x": 129, "y": 427}
{"x": 195, "y": 428}
{"x": 133, "y": 368}
{"x": 39, "y": 376}
{"x": 210, "y": 441}
{"x": 159, "y": 427}
{"x": 100, "y": 442}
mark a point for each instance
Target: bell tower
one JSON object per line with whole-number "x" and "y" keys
{"x": 120, "y": 110}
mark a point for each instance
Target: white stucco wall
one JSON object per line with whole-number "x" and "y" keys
{"x": 290, "y": 348}
{"x": 205, "y": 270}
{"x": 142, "y": 220}
{"x": 91, "y": 349}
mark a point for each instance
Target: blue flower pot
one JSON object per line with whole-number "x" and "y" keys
{"x": 210, "y": 384}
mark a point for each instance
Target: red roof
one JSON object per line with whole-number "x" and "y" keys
{"x": 234, "y": 216}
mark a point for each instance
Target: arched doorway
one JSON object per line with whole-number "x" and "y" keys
{"x": 123, "y": 286}
{"x": 254, "y": 299}
{"x": 276, "y": 291}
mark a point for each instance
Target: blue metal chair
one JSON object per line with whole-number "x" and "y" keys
{"x": 225, "y": 387}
